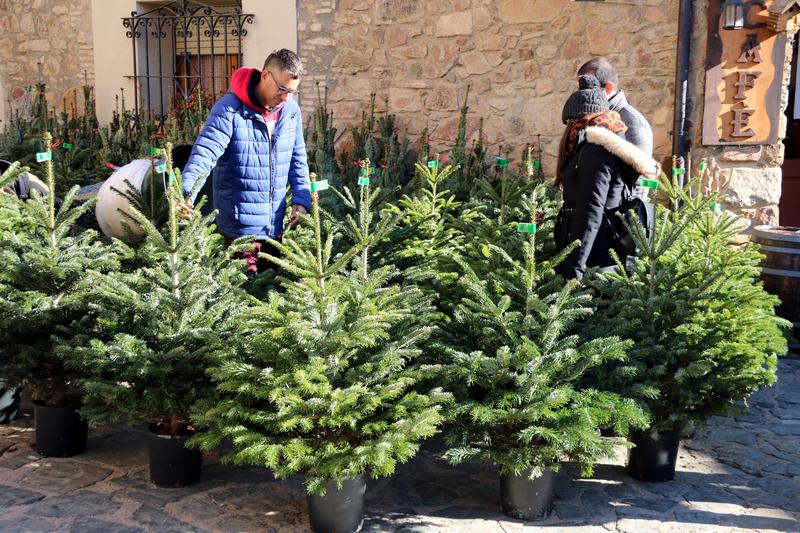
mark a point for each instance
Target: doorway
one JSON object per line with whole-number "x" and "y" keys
{"x": 789, "y": 204}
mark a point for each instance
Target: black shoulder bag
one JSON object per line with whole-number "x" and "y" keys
{"x": 631, "y": 208}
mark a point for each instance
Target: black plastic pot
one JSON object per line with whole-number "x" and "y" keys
{"x": 526, "y": 499}
{"x": 171, "y": 463}
{"x": 9, "y": 403}
{"x": 653, "y": 460}
{"x": 60, "y": 431}
{"x": 340, "y": 510}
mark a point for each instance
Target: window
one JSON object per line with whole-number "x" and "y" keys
{"x": 182, "y": 46}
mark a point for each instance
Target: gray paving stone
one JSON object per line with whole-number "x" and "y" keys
{"x": 738, "y": 436}
{"x": 471, "y": 512}
{"x": 92, "y": 525}
{"x": 76, "y": 504}
{"x": 28, "y": 524}
{"x": 594, "y": 498}
{"x": 157, "y": 520}
{"x": 712, "y": 494}
{"x": 137, "y": 486}
{"x": 64, "y": 475}
{"x": 201, "y": 508}
{"x": 13, "y": 461}
{"x": 10, "y": 496}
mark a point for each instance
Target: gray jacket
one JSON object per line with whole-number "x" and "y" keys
{"x": 639, "y": 131}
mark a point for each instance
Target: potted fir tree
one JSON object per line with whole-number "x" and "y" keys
{"x": 48, "y": 268}
{"x": 325, "y": 383}
{"x": 171, "y": 316}
{"x": 704, "y": 331}
{"x": 516, "y": 371}
{"x": 10, "y": 223}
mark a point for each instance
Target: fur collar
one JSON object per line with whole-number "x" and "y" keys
{"x": 625, "y": 150}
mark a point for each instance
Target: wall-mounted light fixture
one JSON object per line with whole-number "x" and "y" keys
{"x": 732, "y": 14}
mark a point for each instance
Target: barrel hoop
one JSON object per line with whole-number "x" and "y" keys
{"x": 779, "y": 272}
{"x": 780, "y": 250}
{"x": 764, "y": 231}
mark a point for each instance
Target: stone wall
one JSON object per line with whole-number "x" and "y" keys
{"x": 750, "y": 175}
{"x": 519, "y": 57}
{"x": 54, "y": 36}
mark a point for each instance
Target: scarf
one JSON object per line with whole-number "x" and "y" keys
{"x": 569, "y": 141}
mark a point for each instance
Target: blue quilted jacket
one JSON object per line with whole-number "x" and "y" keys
{"x": 251, "y": 173}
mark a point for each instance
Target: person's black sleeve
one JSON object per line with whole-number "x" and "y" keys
{"x": 595, "y": 170}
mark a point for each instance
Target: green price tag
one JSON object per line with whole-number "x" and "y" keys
{"x": 317, "y": 186}
{"x": 433, "y": 164}
{"x": 500, "y": 162}
{"x": 67, "y": 146}
{"x": 537, "y": 164}
{"x": 44, "y": 156}
{"x": 161, "y": 168}
{"x": 526, "y": 227}
{"x": 156, "y": 151}
{"x": 650, "y": 184}
{"x": 717, "y": 208}
{"x": 677, "y": 171}
{"x": 703, "y": 165}
{"x": 363, "y": 181}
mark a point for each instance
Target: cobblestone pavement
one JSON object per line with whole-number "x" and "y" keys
{"x": 740, "y": 475}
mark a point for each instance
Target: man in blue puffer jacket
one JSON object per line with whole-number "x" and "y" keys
{"x": 253, "y": 139}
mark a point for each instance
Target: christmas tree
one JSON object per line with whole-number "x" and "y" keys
{"x": 429, "y": 235}
{"x": 704, "y": 331}
{"x": 49, "y": 269}
{"x": 171, "y": 317}
{"x": 516, "y": 366}
{"x": 323, "y": 380}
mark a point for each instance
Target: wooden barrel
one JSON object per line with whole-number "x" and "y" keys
{"x": 780, "y": 269}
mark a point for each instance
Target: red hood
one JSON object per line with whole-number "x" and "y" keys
{"x": 239, "y": 85}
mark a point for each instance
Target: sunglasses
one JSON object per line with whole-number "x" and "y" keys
{"x": 282, "y": 89}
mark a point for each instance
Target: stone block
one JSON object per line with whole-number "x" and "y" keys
{"x": 475, "y": 63}
{"x": 79, "y": 503}
{"x": 404, "y": 100}
{"x": 413, "y": 51}
{"x": 441, "y": 58}
{"x": 10, "y": 496}
{"x": 35, "y": 45}
{"x": 600, "y": 40}
{"x": 742, "y": 154}
{"x": 442, "y": 99}
{"x": 394, "y": 11}
{"x": 481, "y": 18}
{"x": 525, "y": 11}
{"x": 773, "y": 154}
{"x": 395, "y": 36}
{"x": 572, "y": 48}
{"x": 754, "y": 187}
{"x": 50, "y": 475}
{"x": 454, "y": 24}
{"x": 546, "y": 51}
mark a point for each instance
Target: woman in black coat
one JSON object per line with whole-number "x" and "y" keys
{"x": 597, "y": 169}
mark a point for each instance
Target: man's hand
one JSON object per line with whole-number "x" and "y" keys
{"x": 297, "y": 212}
{"x": 185, "y": 210}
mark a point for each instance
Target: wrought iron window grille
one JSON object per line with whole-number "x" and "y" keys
{"x": 180, "y": 46}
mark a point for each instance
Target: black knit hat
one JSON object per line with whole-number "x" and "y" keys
{"x": 589, "y": 98}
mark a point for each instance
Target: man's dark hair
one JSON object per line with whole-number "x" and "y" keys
{"x": 602, "y": 69}
{"x": 286, "y": 60}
